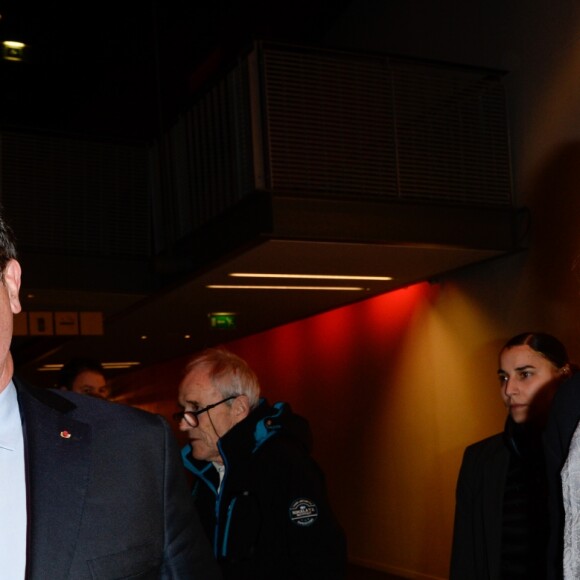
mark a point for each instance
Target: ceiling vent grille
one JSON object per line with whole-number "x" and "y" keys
{"x": 330, "y": 125}
{"x": 78, "y": 197}
{"x": 210, "y": 155}
{"x": 451, "y": 134}
{"x": 338, "y": 125}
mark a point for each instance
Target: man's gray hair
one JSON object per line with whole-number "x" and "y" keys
{"x": 230, "y": 374}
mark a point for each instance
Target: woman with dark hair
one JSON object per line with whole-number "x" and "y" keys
{"x": 501, "y": 516}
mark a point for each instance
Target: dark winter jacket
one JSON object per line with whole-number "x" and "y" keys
{"x": 271, "y": 517}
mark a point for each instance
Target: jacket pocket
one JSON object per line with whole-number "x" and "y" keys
{"x": 139, "y": 563}
{"x": 243, "y": 524}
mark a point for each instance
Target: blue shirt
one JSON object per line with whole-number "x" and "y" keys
{"x": 12, "y": 487}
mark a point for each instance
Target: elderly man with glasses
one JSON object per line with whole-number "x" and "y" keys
{"x": 260, "y": 495}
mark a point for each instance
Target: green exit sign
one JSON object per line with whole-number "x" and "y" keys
{"x": 222, "y": 320}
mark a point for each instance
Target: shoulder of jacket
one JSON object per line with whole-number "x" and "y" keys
{"x": 486, "y": 448}
{"x": 48, "y": 397}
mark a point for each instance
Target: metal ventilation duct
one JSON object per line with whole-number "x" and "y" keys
{"x": 339, "y": 125}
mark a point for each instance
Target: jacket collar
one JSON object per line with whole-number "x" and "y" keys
{"x": 45, "y": 396}
{"x": 235, "y": 445}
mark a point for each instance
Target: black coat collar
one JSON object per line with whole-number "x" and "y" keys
{"x": 47, "y": 397}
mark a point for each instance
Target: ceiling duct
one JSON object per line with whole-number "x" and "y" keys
{"x": 337, "y": 125}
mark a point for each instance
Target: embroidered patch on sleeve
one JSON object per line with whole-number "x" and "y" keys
{"x": 303, "y": 512}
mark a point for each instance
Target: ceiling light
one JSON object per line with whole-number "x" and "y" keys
{"x": 13, "y": 50}
{"x": 105, "y": 365}
{"x": 120, "y": 365}
{"x": 238, "y": 287}
{"x": 51, "y": 367}
{"x": 308, "y": 276}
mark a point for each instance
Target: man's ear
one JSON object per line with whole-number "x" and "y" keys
{"x": 11, "y": 279}
{"x": 241, "y": 407}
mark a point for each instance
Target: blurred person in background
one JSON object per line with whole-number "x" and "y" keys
{"x": 85, "y": 376}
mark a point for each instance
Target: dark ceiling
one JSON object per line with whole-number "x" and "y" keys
{"x": 124, "y": 70}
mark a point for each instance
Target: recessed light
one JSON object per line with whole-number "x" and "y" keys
{"x": 120, "y": 364}
{"x": 51, "y": 367}
{"x": 13, "y": 44}
{"x": 327, "y": 288}
{"x": 13, "y": 50}
{"x": 105, "y": 365}
{"x": 308, "y": 276}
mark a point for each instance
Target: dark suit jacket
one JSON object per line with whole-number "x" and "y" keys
{"x": 478, "y": 512}
{"x": 107, "y": 498}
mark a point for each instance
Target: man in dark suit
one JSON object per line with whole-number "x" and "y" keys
{"x": 88, "y": 489}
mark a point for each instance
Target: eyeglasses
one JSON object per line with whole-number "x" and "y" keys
{"x": 191, "y": 417}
